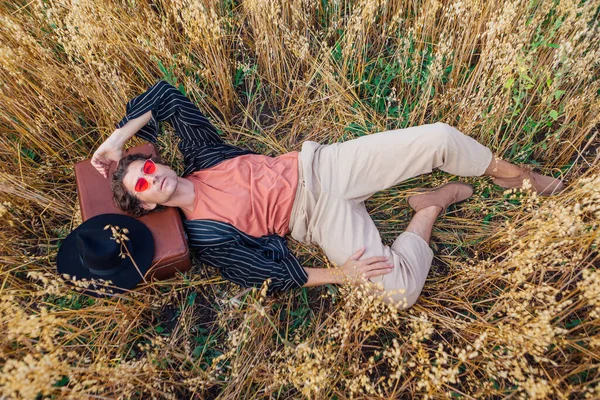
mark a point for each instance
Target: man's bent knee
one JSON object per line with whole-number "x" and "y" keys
{"x": 443, "y": 132}
{"x": 412, "y": 260}
{"x": 400, "y": 298}
{"x": 438, "y": 136}
{"x": 405, "y": 300}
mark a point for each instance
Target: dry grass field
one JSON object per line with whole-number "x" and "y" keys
{"x": 511, "y": 307}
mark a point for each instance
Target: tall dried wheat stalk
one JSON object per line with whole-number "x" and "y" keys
{"x": 511, "y": 305}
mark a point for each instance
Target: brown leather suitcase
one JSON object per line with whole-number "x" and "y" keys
{"x": 171, "y": 252}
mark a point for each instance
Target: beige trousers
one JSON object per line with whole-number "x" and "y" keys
{"x": 336, "y": 179}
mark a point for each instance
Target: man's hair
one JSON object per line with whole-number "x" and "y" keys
{"x": 121, "y": 197}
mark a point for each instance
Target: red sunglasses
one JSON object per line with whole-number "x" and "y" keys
{"x": 148, "y": 169}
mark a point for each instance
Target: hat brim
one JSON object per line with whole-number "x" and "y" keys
{"x": 69, "y": 262}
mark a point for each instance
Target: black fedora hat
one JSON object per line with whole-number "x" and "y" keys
{"x": 90, "y": 252}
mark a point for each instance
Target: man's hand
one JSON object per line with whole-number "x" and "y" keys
{"x": 359, "y": 271}
{"x": 110, "y": 150}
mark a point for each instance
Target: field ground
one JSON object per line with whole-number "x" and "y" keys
{"x": 511, "y": 306}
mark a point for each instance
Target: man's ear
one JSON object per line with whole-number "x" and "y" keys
{"x": 148, "y": 206}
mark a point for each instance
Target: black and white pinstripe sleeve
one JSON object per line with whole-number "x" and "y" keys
{"x": 250, "y": 267}
{"x": 249, "y": 261}
{"x": 167, "y": 103}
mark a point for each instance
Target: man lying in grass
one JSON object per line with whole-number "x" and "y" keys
{"x": 239, "y": 205}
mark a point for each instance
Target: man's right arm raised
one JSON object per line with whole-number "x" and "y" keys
{"x": 161, "y": 102}
{"x": 167, "y": 103}
{"x": 112, "y": 148}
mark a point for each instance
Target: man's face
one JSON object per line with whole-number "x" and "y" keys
{"x": 162, "y": 183}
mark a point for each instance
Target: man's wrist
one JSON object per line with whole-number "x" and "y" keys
{"x": 337, "y": 275}
{"x": 324, "y": 276}
{"x": 119, "y": 137}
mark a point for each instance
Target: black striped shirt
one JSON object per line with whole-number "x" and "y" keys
{"x": 240, "y": 258}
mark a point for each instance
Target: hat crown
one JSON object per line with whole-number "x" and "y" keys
{"x": 98, "y": 252}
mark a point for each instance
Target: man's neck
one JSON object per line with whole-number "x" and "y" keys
{"x": 184, "y": 196}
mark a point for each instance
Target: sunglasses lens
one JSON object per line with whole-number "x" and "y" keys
{"x": 149, "y": 167}
{"x": 141, "y": 185}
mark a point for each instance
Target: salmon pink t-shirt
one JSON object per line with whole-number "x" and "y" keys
{"x": 254, "y": 193}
